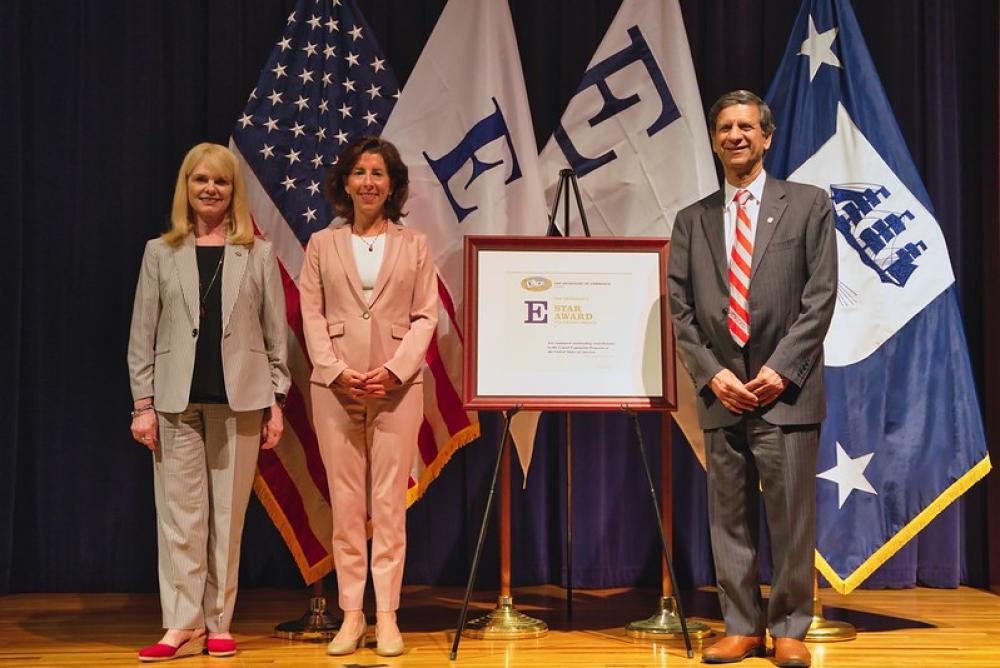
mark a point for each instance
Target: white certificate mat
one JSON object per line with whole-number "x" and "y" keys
{"x": 560, "y": 323}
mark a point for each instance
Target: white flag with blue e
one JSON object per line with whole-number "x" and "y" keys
{"x": 463, "y": 126}
{"x": 903, "y": 436}
{"x": 634, "y": 133}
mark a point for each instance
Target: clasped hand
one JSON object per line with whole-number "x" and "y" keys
{"x": 762, "y": 390}
{"x": 374, "y": 383}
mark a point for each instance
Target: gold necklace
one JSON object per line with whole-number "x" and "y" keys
{"x": 374, "y": 240}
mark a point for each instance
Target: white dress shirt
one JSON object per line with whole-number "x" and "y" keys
{"x": 752, "y": 208}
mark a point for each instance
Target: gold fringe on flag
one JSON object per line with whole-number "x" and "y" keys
{"x": 903, "y": 536}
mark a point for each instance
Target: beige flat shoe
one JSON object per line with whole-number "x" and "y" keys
{"x": 347, "y": 645}
{"x": 388, "y": 647}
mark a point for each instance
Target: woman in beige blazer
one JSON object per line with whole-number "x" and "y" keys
{"x": 206, "y": 359}
{"x": 369, "y": 308}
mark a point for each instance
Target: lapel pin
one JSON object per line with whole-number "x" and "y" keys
{"x": 770, "y": 219}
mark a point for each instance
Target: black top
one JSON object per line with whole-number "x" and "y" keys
{"x": 208, "y": 385}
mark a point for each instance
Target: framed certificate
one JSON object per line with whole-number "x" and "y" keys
{"x": 556, "y": 323}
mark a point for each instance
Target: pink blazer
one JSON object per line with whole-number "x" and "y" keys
{"x": 342, "y": 331}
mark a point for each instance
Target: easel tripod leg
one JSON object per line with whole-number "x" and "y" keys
{"x": 482, "y": 533}
{"x": 659, "y": 527}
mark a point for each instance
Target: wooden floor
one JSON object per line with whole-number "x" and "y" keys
{"x": 912, "y": 628}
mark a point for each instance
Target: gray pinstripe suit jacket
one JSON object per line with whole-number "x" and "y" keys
{"x": 793, "y": 288}
{"x": 165, "y": 321}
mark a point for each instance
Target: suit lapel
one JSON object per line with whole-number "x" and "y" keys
{"x": 186, "y": 265}
{"x": 233, "y": 268}
{"x": 345, "y": 251}
{"x": 772, "y": 207}
{"x": 713, "y": 222}
{"x": 393, "y": 241}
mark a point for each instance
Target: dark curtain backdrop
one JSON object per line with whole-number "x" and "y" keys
{"x": 100, "y": 101}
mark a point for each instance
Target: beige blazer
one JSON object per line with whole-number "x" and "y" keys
{"x": 394, "y": 330}
{"x": 165, "y": 320}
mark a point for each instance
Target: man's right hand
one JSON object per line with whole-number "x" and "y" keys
{"x": 731, "y": 392}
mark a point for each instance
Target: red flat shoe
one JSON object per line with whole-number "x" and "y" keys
{"x": 220, "y": 646}
{"x": 164, "y": 652}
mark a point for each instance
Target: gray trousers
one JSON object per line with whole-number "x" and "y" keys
{"x": 744, "y": 460}
{"x": 202, "y": 476}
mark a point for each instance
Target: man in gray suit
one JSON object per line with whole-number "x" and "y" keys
{"x": 753, "y": 281}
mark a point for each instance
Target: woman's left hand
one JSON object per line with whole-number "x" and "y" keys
{"x": 274, "y": 425}
{"x": 379, "y": 380}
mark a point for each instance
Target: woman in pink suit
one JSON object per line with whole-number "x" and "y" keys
{"x": 369, "y": 308}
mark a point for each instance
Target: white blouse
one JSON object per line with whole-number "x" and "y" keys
{"x": 368, "y": 258}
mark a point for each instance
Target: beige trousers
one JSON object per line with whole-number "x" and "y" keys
{"x": 202, "y": 476}
{"x": 368, "y": 445}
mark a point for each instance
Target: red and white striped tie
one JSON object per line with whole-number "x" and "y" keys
{"x": 739, "y": 273}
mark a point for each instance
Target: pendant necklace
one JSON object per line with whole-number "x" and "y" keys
{"x": 211, "y": 283}
{"x": 374, "y": 240}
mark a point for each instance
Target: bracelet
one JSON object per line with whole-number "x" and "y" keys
{"x": 143, "y": 409}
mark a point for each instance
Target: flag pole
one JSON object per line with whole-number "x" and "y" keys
{"x": 505, "y": 622}
{"x": 826, "y": 630}
{"x": 474, "y": 570}
{"x": 665, "y": 622}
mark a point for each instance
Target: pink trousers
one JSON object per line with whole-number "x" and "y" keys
{"x": 368, "y": 447}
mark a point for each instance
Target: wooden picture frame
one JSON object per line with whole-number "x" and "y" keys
{"x": 578, "y": 323}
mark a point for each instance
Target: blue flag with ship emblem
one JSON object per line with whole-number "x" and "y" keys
{"x": 903, "y": 436}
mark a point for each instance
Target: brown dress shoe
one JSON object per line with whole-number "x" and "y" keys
{"x": 733, "y": 649}
{"x": 790, "y": 653}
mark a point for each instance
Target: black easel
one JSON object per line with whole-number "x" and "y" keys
{"x": 562, "y": 191}
{"x": 567, "y": 178}
{"x": 482, "y": 531}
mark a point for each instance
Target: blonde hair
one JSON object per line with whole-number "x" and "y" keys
{"x": 239, "y": 225}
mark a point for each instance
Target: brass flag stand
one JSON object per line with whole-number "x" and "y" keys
{"x": 665, "y": 622}
{"x": 826, "y": 630}
{"x": 315, "y": 625}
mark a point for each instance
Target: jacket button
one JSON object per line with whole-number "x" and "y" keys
{"x": 194, "y": 333}
{"x": 366, "y": 315}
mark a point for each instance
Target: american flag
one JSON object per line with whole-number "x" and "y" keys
{"x": 325, "y": 83}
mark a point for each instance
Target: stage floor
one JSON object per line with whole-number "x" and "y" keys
{"x": 911, "y": 627}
